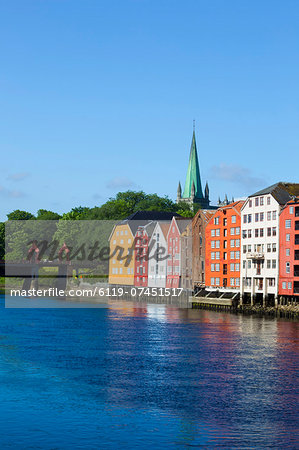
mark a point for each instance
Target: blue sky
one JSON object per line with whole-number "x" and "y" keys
{"x": 100, "y": 96}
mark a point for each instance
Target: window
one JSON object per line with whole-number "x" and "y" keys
{"x": 273, "y": 263}
{"x": 268, "y": 231}
{"x": 232, "y": 267}
{"x": 284, "y": 285}
{"x": 217, "y": 267}
{"x": 212, "y": 233}
{"x": 249, "y": 264}
{"x": 261, "y": 232}
{"x": 218, "y": 232}
{"x": 291, "y": 210}
{"x": 257, "y": 217}
{"x": 269, "y": 215}
{"x": 289, "y": 285}
{"x": 249, "y": 218}
{"x": 268, "y": 263}
{"x": 249, "y": 248}
{"x": 274, "y": 231}
{"x": 274, "y": 247}
{"x": 288, "y": 237}
{"x": 114, "y": 242}
{"x": 244, "y": 248}
{"x": 212, "y": 281}
{"x": 288, "y": 267}
{"x": 237, "y": 281}
{"x": 271, "y": 282}
{"x": 268, "y": 200}
{"x": 250, "y": 203}
{"x": 212, "y": 244}
{"x": 249, "y": 233}
{"x": 212, "y": 267}
{"x": 232, "y": 231}
{"x": 238, "y": 230}
{"x": 121, "y": 270}
{"x": 244, "y": 234}
{"x": 274, "y": 215}
{"x": 237, "y": 267}
{"x": 217, "y": 255}
{"x": 213, "y": 255}
{"x": 288, "y": 223}
{"x": 244, "y": 264}
{"x": 256, "y": 201}
{"x": 261, "y": 201}
{"x": 217, "y": 281}
{"x": 288, "y": 252}
{"x": 261, "y": 217}
{"x": 225, "y": 244}
{"x": 225, "y": 232}
{"x": 256, "y": 232}
{"x": 237, "y": 255}
{"x": 234, "y": 219}
{"x": 129, "y": 241}
{"x": 224, "y": 255}
{"x": 217, "y": 244}
{"x": 268, "y": 247}
{"x": 232, "y": 255}
{"x": 237, "y": 242}
{"x": 225, "y": 222}
{"x": 245, "y": 218}
{"x": 232, "y": 281}
{"x": 232, "y": 242}
{"x": 216, "y": 220}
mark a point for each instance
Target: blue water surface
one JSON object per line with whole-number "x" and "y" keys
{"x": 146, "y": 376}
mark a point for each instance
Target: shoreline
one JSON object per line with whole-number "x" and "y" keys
{"x": 185, "y": 301}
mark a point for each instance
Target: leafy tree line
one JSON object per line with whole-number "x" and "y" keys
{"x": 124, "y": 204}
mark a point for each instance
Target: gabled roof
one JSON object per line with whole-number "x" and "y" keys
{"x": 164, "y": 227}
{"x": 281, "y": 191}
{"x": 149, "y": 227}
{"x": 182, "y": 223}
{"x": 235, "y": 205}
{"x": 206, "y": 213}
{"x": 142, "y": 218}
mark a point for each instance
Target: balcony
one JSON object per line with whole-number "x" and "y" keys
{"x": 255, "y": 255}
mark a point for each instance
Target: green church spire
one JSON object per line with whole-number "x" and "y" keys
{"x": 193, "y": 175}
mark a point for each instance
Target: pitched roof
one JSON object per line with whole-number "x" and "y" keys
{"x": 142, "y": 218}
{"x": 236, "y": 205}
{"x": 152, "y": 215}
{"x": 164, "y": 227}
{"x": 182, "y": 223}
{"x": 193, "y": 174}
{"x": 281, "y": 191}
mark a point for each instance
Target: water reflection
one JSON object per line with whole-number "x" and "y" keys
{"x": 134, "y": 373}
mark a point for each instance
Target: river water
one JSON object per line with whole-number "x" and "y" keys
{"x": 131, "y": 375}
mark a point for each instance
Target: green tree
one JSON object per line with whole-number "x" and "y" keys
{"x": 78, "y": 213}
{"x": 2, "y": 240}
{"x": 20, "y": 215}
{"x": 44, "y": 214}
